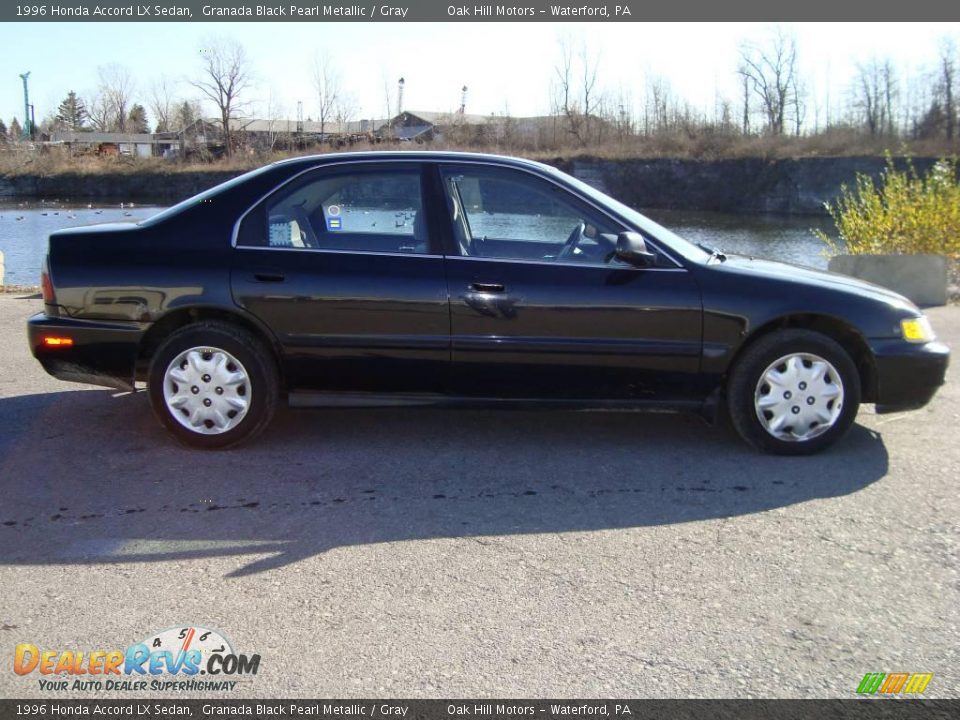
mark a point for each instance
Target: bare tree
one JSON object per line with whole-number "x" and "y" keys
{"x": 116, "y": 90}
{"x": 163, "y": 104}
{"x": 225, "y": 76}
{"x": 869, "y": 99}
{"x": 99, "y": 112}
{"x": 745, "y": 78}
{"x": 659, "y": 102}
{"x": 798, "y": 94}
{"x": 771, "y": 71}
{"x": 723, "y": 114}
{"x": 576, "y": 96}
{"x": 592, "y": 100}
{"x": 890, "y": 95}
{"x": 346, "y": 109}
{"x": 873, "y": 96}
{"x": 948, "y": 79}
{"x": 326, "y": 83}
{"x": 624, "y": 115}
{"x": 827, "y": 119}
{"x": 387, "y": 103}
{"x": 564, "y": 102}
{"x": 276, "y": 127}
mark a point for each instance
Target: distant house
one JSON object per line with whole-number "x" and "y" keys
{"x": 141, "y": 145}
{"x": 261, "y": 134}
{"x": 200, "y": 134}
{"x": 425, "y": 125}
{"x": 455, "y": 127}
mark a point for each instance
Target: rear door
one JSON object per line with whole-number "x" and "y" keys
{"x": 540, "y": 307}
{"x": 341, "y": 264}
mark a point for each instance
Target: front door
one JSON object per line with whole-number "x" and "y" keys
{"x": 540, "y": 306}
{"x": 340, "y": 264}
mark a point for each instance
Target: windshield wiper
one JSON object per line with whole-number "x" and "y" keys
{"x": 714, "y": 252}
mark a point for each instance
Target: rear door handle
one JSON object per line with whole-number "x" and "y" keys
{"x": 487, "y": 287}
{"x": 268, "y": 276}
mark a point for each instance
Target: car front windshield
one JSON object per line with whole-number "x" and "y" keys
{"x": 673, "y": 241}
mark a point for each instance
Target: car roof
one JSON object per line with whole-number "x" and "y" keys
{"x": 414, "y": 155}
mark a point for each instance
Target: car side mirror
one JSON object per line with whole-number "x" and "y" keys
{"x": 632, "y": 249}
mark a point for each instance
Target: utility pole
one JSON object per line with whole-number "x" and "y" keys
{"x": 27, "y": 123}
{"x": 400, "y": 85}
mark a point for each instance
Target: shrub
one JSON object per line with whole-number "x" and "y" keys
{"x": 900, "y": 214}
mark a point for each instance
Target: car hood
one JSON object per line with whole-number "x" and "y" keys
{"x": 787, "y": 272}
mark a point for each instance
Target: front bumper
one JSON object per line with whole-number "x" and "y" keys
{"x": 908, "y": 375}
{"x": 101, "y": 353}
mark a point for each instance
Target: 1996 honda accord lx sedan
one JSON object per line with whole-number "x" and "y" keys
{"x": 451, "y": 278}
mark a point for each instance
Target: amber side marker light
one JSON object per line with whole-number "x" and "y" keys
{"x": 51, "y": 341}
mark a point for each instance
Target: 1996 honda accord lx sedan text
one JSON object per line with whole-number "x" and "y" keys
{"x": 452, "y": 278}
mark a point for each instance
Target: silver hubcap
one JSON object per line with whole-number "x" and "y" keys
{"x": 206, "y": 390}
{"x": 799, "y": 397}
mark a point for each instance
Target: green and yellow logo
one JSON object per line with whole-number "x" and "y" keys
{"x": 894, "y": 683}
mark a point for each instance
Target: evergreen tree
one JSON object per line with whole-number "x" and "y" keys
{"x": 3, "y": 132}
{"x": 187, "y": 114}
{"x": 137, "y": 120}
{"x": 72, "y": 114}
{"x": 15, "y": 130}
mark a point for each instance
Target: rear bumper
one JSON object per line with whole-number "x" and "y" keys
{"x": 908, "y": 375}
{"x": 101, "y": 353}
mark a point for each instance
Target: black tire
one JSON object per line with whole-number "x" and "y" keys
{"x": 745, "y": 377}
{"x": 256, "y": 359}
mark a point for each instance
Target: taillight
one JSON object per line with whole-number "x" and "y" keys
{"x": 46, "y": 287}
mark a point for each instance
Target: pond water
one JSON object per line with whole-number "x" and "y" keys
{"x": 776, "y": 237}
{"x": 24, "y": 226}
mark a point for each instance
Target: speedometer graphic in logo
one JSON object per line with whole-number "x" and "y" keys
{"x": 184, "y": 639}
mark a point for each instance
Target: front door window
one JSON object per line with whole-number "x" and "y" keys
{"x": 511, "y": 215}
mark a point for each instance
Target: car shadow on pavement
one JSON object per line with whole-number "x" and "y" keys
{"x": 89, "y": 476}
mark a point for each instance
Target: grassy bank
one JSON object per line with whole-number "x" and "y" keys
{"x": 19, "y": 289}
{"x": 699, "y": 144}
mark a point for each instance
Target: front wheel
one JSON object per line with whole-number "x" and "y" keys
{"x": 793, "y": 392}
{"x": 213, "y": 385}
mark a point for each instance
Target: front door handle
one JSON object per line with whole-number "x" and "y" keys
{"x": 268, "y": 276}
{"x": 484, "y": 287}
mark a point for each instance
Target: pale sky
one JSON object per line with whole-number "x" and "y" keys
{"x": 505, "y": 65}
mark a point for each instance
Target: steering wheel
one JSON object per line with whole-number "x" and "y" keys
{"x": 571, "y": 244}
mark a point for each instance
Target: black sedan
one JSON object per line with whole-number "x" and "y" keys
{"x": 459, "y": 279}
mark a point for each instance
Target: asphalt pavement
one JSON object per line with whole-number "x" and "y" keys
{"x": 453, "y": 553}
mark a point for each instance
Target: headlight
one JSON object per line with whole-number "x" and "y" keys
{"x": 917, "y": 330}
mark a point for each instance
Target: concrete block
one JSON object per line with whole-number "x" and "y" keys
{"x": 922, "y": 278}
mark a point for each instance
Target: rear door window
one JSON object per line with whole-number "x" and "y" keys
{"x": 349, "y": 209}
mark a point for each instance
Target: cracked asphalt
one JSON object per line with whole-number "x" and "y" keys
{"x": 451, "y": 553}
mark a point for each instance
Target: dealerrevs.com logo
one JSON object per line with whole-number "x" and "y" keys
{"x": 170, "y": 660}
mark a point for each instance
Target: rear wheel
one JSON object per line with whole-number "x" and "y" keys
{"x": 793, "y": 392}
{"x": 213, "y": 385}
